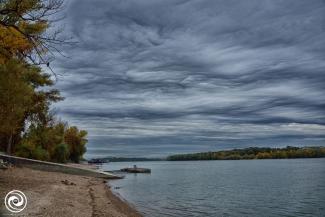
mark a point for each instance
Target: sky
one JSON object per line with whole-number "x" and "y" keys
{"x": 150, "y": 78}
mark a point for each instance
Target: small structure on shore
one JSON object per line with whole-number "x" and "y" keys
{"x": 135, "y": 169}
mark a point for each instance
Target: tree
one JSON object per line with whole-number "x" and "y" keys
{"x": 27, "y": 126}
{"x": 61, "y": 153}
{"x": 23, "y": 25}
{"x": 23, "y": 40}
{"x": 255, "y": 153}
{"x": 76, "y": 141}
{"x": 15, "y": 99}
{"x": 21, "y": 101}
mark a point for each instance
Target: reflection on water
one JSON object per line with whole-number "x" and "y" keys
{"x": 293, "y": 187}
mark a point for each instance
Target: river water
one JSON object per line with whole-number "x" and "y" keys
{"x": 294, "y": 187}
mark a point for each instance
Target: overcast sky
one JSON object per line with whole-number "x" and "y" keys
{"x": 152, "y": 78}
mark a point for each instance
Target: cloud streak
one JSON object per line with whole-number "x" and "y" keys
{"x": 151, "y": 78}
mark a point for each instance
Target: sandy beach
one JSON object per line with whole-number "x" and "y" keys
{"x": 56, "y": 194}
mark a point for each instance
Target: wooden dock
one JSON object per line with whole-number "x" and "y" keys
{"x": 135, "y": 170}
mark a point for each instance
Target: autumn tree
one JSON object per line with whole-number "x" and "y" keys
{"x": 27, "y": 126}
{"x": 76, "y": 141}
{"x": 15, "y": 99}
{"x": 21, "y": 99}
{"x": 23, "y": 26}
{"x": 40, "y": 141}
{"x": 23, "y": 45}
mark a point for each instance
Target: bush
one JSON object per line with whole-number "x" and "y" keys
{"x": 76, "y": 140}
{"x": 53, "y": 142}
{"x": 40, "y": 154}
{"x": 24, "y": 151}
{"x": 61, "y": 153}
{"x": 29, "y": 151}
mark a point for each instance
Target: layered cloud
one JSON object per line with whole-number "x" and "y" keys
{"x": 151, "y": 78}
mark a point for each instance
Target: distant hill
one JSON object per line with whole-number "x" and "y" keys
{"x": 254, "y": 153}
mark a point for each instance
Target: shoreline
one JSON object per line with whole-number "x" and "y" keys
{"x": 59, "y": 194}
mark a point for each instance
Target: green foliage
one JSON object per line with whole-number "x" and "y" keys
{"x": 40, "y": 154}
{"x": 27, "y": 127}
{"x": 34, "y": 152}
{"x": 22, "y": 101}
{"x": 15, "y": 99}
{"x": 15, "y": 95}
{"x": 61, "y": 153}
{"x": 25, "y": 150}
{"x": 76, "y": 141}
{"x": 54, "y": 141}
{"x": 23, "y": 24}
{"x": 254, "y": 153}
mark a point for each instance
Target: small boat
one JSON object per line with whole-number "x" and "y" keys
{"x": 135, "y": 169}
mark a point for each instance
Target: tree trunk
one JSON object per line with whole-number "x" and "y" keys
{"x": 9, "y": 144}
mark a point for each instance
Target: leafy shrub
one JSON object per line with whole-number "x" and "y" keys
{"x": 40, "y": 154}
{"x": 29, "y": 151}
{"x": 76, "y": 140}
{"x": 61, "y": 153}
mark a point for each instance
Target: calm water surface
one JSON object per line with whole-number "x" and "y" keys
{"x": 226, "y": 188}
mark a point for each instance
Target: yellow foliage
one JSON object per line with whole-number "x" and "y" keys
{"x": 11, "y": 43}
{"x": 18, "y": 35}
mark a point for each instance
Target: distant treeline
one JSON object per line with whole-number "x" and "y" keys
{"x": 128, "y": 159}
{"x": 254, "y": 153}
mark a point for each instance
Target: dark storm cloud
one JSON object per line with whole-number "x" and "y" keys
{"x": 159, "y": 77}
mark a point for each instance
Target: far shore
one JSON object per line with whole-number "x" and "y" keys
{"x": 58, "y": 194}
